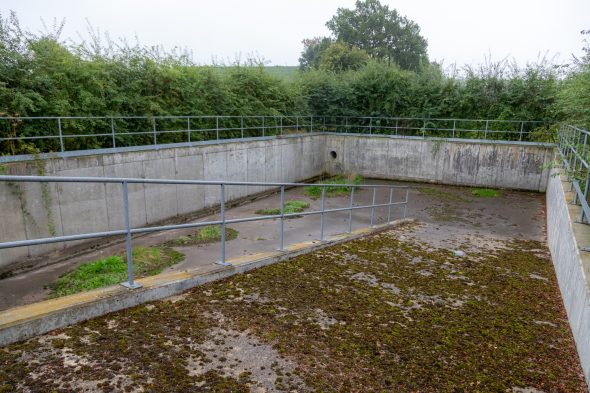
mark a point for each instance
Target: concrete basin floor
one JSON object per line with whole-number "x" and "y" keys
{"x": 453, "y": 212}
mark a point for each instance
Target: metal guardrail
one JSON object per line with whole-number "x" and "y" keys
{"x": 70, "y": 133}
{"x": 575, "y": 155}
{"x": 128, "y": 231}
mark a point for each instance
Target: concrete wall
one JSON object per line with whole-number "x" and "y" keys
{"x": 459, "y": 162}
{"x": 85, "y": 207}
{"x": 566, "y": 238}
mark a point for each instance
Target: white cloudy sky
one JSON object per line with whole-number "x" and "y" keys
{"x": 458, "y": 31}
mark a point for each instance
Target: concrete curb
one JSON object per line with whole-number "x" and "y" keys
{"x": 20, "y": 323}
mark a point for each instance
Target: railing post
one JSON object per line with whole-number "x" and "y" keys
{"x": 350, "y": 210}
{"x": 217, "y": 127}
{"x": 424, "y": 129}
{"x": 406, "y": 201}
{"x": 154, "y": 130}
{"x": 297, "y": 123}
{"x": 113, "y": 132}
{"x": 242, "y": 126}
{"x": 521, "y": 129}
{"x": 282, "y": 244}
{"x": 61, "y": 138}
{"x": 222, "y": 211}
{"x": 396, "y": 125}
{"x": 346, "y": 124}
{"x": 373, "y": 206}
{"x": 311, "y": 124}
{"x": 485, "y": 133}
{"x": 131, "y": 284}
{"x": 370, "y": 126}
{"x": 188, "y": 128}
{"x": 389, "y": 206}
{"x": 454, "y": 127}
{"x": 581, "y": 218}
{"x": 263, "y": 133}
{"x": 281, "y": 119}
{"x": 322, "y": 214}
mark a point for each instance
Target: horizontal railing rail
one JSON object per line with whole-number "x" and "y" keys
{"x": 71, "y": 133}
{"x": 128, "y": 231}
{"x": 574, "y": 151}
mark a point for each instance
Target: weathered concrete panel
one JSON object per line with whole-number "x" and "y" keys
{"x": 256, "y": 165}
{"x": 215, "y": 168}
{"x": 12, "y": 225}
{"x": 237, "y": 170}
{"x": 189, "y": 198}
{"x": 136, "y": 195}
{"x": 291, "y": 152}
{"x": 82, "y": 206}
{"x": 160, "y": 199}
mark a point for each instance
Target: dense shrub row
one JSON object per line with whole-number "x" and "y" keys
{"x": 42, "y": 76}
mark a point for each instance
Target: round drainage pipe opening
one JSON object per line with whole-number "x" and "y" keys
{"x": 333, "y": 154}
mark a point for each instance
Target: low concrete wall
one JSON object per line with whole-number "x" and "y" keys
{"x": 572, "y": 266}
{"x": 29, "y": 211}
{"x": 449, "y": 161}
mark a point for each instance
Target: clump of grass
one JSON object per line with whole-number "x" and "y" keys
{"x": 294, "y": 206}
{"x": 147, "y": 261}
{"x": 485, "y": 192}
{"x": 203, "y": 235}
{"x": 336, "y": 189}
{"x": 442, "y": 194}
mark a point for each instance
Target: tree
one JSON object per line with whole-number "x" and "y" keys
{"x": 381, "y": 32}
{"x": 312, "y": 52}
{"x": 574, "y": 95}
{"x": 340, "y": 57}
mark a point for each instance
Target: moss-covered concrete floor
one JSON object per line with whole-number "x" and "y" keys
{"x": 396, "y": 311}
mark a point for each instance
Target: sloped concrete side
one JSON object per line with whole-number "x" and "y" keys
{"x": 72, "y": 208}
{"x": 566, "y": 238}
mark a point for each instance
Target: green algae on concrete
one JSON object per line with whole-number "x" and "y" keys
{"x": 485, "y": 192}
{"x": 383, "y": 313}
{"x": 336, "y": 188}
{"x": 294, "y": 206}
{"x": 205, "y": 235}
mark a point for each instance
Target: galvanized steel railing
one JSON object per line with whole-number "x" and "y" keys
{"x": 223, "y": 221}
{"x": 575, "y": 156}
{"x": 60, "y": 134}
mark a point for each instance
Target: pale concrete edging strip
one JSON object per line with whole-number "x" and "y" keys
{"x": 565, "y": 238}
{"x": 23, "y": 322}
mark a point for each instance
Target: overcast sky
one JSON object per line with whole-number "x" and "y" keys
{"x": 458, "y": 31}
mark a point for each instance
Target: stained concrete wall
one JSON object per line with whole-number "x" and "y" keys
{"x": 83, "y": 208}
{"x": 566, "y": 239}
{"x": 86, "y": 207}
{"x": 459, "y": 162}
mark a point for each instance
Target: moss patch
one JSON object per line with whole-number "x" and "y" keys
{"x": 204, "y": 235}
{"x": 444, "y": 195}
{"x": 147, "y": 261}
{"x": 372, "y": 315}
{"x": 335, "y": 190}
{"x": 290, "y": 207}
{"x": 485, "y": 192}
